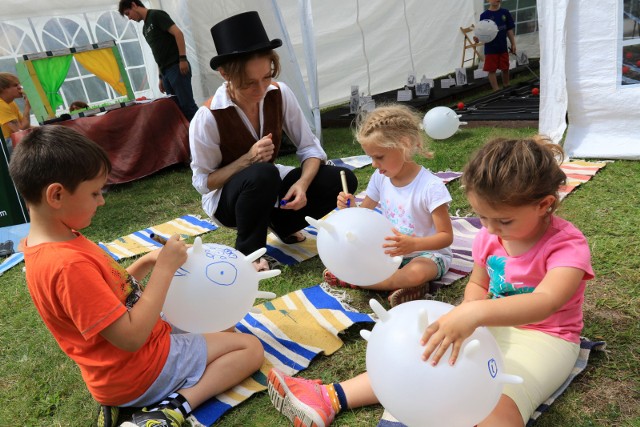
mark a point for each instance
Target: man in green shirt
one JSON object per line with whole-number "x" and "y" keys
{"x": 169, "y": 51}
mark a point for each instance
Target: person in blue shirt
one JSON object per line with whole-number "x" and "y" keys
{"x": 496, "y": 52}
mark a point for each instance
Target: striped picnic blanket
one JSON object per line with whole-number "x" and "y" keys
{"x": 578, "y": 172}
{"x": 586, "y": 346}
{"x": 293, "y": 330}
{"x": 140, "y": 242}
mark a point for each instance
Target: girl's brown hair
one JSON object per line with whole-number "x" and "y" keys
{"x": 235, "y": 68}
{"x": 393, "y": 126}
{"x": 515, "y": 172}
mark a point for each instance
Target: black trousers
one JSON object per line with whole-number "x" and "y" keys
{"x": 248, "y": 199}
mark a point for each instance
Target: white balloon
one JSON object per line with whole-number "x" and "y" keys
{"x": 485, "y": 30}
{"x": 441, "y": 122}
{"x": 418, "y": 394}
{"x": 350, "y": 246}
{"x": 214, "y": 289}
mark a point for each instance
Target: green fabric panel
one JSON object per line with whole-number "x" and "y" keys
{"x": 51, "y": 73}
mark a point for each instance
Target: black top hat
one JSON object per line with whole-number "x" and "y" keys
{"x": 238, "y": 35}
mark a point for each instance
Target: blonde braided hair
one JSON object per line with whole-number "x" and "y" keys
{"x": 393, "y": 126}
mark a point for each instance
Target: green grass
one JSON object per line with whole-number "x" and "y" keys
{"x": 40, "y": 386}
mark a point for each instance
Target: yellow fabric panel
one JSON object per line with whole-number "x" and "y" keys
{"x": 103, "y": 64}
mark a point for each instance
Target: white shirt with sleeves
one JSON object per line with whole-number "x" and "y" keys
{"x": 409, "y": 208}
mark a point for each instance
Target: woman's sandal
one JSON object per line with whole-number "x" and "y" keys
{"x": 266, "y": 263}
{"x": 291, "y": 239}
{"x": 331, "y": 280}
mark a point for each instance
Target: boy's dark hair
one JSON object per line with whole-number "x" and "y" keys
{"x": 126, "y": 4}
{"x": 52, "y": 153}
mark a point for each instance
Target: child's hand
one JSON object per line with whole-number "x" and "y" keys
{"x": 173, "y": 254}
{"x": 450, "y": 329}
{"x": 345, "y": 200}
{"x": 399, "y": 244}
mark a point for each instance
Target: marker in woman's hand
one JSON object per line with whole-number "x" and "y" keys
{"x": 345, "y": 188}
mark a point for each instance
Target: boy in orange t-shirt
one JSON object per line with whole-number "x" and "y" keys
{"x": 97, "y": 310}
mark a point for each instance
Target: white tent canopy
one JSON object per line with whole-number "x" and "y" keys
{"x": 373, "y": 44}
{"x": 331, "y": 45}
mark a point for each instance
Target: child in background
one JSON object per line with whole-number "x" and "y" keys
{"x": 412, "y": 198}
{"x": 496, "y": 52}
{"x": 96, "y": 310}
{"x": 529, "y": 275}
{"x": 11, "y": 119}
{"x": 527, "y": 284}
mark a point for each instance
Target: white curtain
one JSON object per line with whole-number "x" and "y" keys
{"x": 604, "y": 116}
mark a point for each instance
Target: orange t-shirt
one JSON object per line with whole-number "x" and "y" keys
{"x": 79, "y": 290}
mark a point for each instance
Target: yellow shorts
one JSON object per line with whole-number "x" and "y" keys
{"x": 543, "y": 361}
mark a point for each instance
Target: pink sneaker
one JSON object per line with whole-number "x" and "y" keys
{"x": 305, "y": 402}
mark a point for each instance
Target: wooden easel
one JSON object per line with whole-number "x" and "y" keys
{"x": 469, "y": 44}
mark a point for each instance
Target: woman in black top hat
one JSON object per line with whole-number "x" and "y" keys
{"x": 235, "y": 138}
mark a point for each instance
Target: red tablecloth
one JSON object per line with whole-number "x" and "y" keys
{"x": 140, "y": 139}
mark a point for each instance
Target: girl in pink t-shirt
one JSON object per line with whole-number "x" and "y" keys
{"x": 528, "y": 280}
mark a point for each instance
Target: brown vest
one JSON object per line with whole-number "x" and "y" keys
{"x": 236, "y": 139}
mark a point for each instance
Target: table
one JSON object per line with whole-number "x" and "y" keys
{"x": 140, "y": 139}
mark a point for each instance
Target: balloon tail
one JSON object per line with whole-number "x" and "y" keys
{"x": 423, "y": 320}
{"x": 265, "y": 295}
{"x": 365, "y": 334}
{"x": 197, "y": 245}
{"x": 316, "y": 223}
{"x": 510, "y": 379}
{"x": 470, "y": 349}
{"x": 255, "y": 255}
{"x": 378, "y": 309}
{"x": 268, "y": 274}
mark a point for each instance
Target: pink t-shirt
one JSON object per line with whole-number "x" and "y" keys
{"x": 563, "y": 245}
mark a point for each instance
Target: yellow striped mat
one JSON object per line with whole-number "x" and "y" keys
{"x": 140, "y": 242}
{"x": 293, "y": 330}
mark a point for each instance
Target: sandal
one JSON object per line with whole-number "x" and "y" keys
{"x": 403, "y": 295}
{"x": 331, "y": 280}
{"x": 266, "y": 263}
{"x": 291, "y": 239}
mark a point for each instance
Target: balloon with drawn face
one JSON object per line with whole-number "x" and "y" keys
{"x": 214, "y": 289}
{"x": 419, "y": 394}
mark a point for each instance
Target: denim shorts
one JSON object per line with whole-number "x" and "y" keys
{"x": 443, "y": 262}
{"x": 183, "y": 369}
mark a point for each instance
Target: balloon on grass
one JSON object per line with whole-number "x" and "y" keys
{"x": 215, "y": 288}
{"x": 418, "y": 394}
{"x": 350, "y": 245}
{"x": 441, "y": 122}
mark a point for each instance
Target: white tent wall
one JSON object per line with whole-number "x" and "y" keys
{"x": 584, "y": 38}
{"x": 433, "y": 30}
{"x": 374, "y": 44}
